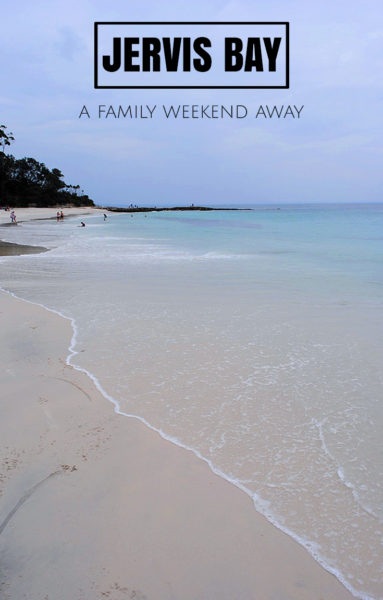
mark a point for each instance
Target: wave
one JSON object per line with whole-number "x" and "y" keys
{"x": 340, "y": 472}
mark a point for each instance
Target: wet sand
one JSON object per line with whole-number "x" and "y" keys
{"x": 9, "y": 249}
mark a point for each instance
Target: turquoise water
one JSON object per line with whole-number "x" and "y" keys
{"x": 330, "y": 249}
{"x": 254, "y": 338}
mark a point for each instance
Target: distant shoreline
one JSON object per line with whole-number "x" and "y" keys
{"x": 162, "y": 209}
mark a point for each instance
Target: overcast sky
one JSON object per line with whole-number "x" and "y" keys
{"x": 332, "y": 154}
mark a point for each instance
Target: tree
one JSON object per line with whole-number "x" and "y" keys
{"x": 27, "y": 182}
{"x": 5, "y": 138}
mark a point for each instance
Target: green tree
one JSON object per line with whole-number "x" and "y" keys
{"x": 5, "y": 138}
{"x": 27, "y": 182}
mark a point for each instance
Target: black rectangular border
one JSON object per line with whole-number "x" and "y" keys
{"x": 192, "y": 87}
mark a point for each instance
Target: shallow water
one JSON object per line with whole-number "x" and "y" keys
{"x": 253, "y": 337}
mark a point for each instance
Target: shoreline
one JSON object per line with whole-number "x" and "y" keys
{"x": 36, "y": 213}
{"x": 26, "y": 214}
{"x": 49, "y": 213}
{"x": 248, "y": 547}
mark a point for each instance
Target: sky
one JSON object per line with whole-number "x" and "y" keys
{"x": 333, "y": 153}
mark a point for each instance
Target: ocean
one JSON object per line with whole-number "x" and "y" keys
{"x": 252, "y": 337}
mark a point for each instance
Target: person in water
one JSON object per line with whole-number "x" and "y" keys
{"x": 82, "y": 224}
{"x": 105, "y": 217}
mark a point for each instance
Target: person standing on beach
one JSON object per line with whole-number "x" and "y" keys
{"x": 105, "y": 217}
{"x": 13, "y": 217}
{"x": 61, "y": 215}
{"x": 58, "y": 215}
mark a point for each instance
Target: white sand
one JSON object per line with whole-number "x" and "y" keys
{"x": 96, "y": 505}
{"x": 28, "y": 214}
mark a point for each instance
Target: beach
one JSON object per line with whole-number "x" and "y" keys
{"x": 31, "y": 214}
{"x": 78, "y": 522}
{"x": 36, "y": 214}
{"x": 97, "y": 504}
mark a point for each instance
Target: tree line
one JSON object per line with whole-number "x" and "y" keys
{"x": 28, "y": 182}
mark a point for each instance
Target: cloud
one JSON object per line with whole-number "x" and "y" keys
{"x": 69, "y": 44}
{"x": 106, "y": 145}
